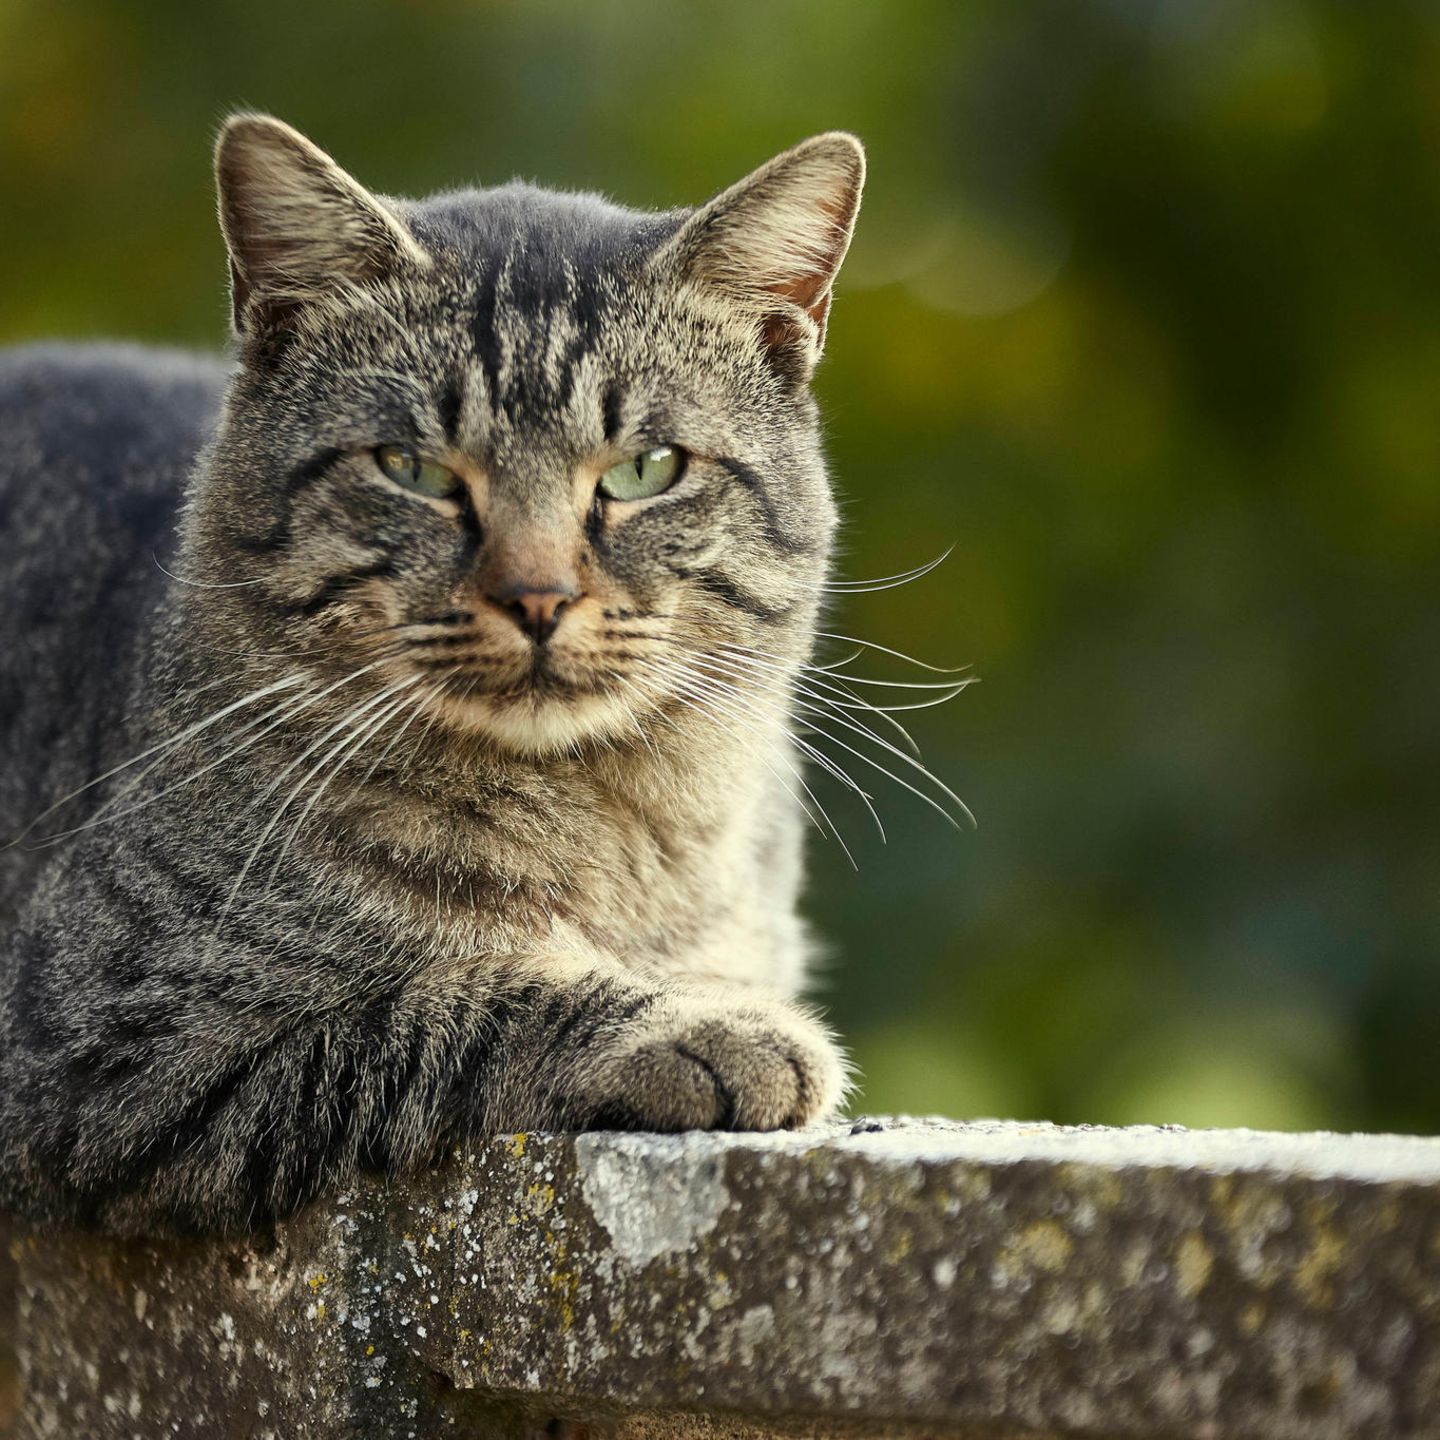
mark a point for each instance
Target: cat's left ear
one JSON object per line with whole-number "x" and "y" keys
{"x": 298, "y": 227}
{"x": 773, "y": 243}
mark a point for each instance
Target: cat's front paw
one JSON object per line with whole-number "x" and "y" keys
{"x": 714, "y": 1064}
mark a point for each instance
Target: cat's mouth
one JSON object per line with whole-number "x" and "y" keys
{"x": 543, "y": 703}
{"x": 541, "y": 682}
{"x": 542, "y": 673}
{"x": 537, "y": 695}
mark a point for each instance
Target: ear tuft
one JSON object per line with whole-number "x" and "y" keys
{"x": 774, "y": 242}
{"x": 298, "y": 227}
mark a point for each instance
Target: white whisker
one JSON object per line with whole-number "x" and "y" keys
{"x": 886, "y": 582}
{"x": 417, "y": 708}
{"x": 683, "y": 676}
{"x": 886, "y": 650}
{"x": 813, "y": 707}
{"x": 277, "y": 716}
{"x": 836, "y": 664}
{"x": 203, "y": 584}
{"x": 899, "y": 780}
{"x": 826, "y": 762}
{"x": 360, "y": 733}
{"x": 825, "y": 691}
{"x": 834, "y": 672}
{"x": 343, "y": 723}
{"x": 288, "y": 683}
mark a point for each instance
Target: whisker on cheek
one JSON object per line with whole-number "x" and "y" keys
{"x": 439, "y": 641}
{"x": 450, "y": 617}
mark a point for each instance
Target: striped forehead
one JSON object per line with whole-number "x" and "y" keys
{"x": 538, "y": 278}
{"x": 535, "y": 327}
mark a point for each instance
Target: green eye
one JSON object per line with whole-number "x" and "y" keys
{"x": 644, "y": 476}
{"x": 414, "y": 472}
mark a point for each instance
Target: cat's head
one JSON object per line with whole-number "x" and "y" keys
{"x": 536, "y": 457}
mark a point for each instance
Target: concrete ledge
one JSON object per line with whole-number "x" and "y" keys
{"x": 895, "y": 1278}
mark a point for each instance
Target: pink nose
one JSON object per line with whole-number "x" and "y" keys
{"x": 535, "y": 611}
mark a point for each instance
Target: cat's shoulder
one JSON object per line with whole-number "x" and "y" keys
{"x": 106, "y": 408}
{"x": 108, "y": 382}
{"x": 111, "y": 420}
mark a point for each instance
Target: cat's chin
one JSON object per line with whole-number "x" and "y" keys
{"x": 540, "y": 724}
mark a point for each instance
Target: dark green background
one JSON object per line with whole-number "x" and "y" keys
{"x": 1143, "y": 318}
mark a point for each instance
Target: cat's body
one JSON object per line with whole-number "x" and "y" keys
{"x": 451, "y": 813}
{"x": 78, "y": 585}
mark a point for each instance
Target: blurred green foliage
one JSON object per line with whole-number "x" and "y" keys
{"x": 1143, "y": 318}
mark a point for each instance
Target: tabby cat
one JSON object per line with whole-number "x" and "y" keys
{"x": 445, "y": 784}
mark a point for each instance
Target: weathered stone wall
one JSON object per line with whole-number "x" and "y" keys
{"x": 901, "y": 1278}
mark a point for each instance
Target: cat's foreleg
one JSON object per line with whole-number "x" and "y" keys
{"x": 537, "y": 1044}
{"x": 206, "y": 1122}
{"x": 681, "y": 1054}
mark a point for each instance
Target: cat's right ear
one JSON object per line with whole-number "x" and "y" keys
{"x": 772, "y": 244}
{"x": 298, "y": 227}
